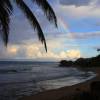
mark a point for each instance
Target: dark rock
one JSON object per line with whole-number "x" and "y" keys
{"x": 95, "y": 90}
{"x": 66, "y": 63}
{"x": 83, "y": 96}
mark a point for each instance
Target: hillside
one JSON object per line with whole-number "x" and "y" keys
{"x": 83, "y": 62}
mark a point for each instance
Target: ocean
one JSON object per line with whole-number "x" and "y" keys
{"x": 18, "y": 78}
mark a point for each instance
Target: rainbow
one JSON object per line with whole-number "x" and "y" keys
{"x": 67, "y": 31}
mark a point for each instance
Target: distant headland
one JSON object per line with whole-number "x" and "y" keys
{"x": 82, "y": 62}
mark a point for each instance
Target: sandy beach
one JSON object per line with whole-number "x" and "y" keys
{"x": 65, "y": 93}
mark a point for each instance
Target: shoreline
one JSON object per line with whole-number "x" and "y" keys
{"x": 66, "y": 92}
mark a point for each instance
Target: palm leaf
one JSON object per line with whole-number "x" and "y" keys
{"x": 32, "y": 19}
{"x": 47, "y": 10}
{"x": 4, "y": 21}
{"x": 6, "y": 9}
{"x": 8, "y": 5}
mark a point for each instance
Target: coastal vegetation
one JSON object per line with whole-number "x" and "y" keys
{"x": 82, "y": 62}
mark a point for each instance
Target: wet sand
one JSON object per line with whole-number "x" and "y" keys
{"x": 65, "y": 93}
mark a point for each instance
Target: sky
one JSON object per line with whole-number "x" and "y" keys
{"x": 77, "y": 35}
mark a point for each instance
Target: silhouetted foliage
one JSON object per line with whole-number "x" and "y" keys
{"x": 98, "y": 50}
{"x": 83, "y": 62}
{"x": 6, "y": 9}
{"x": 66, "y": 63}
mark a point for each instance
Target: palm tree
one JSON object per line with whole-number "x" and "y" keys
{"x": 6, "y": 9}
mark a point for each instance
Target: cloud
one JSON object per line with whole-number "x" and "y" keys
{"x": 9, "y": 52}
{"x": 70, "y": 54}
{"x": 64, "y": 46}
{"x": 36, "y": 51}
{"x": 86, "y": 35}
{"x": 32, "y": 51}
{"x": 73, "y": 54}
{"x": 12, "y": 50}
{"x": 78, "y": 9}
{"x": 96, "y": 47}
{"x": 73, "y": 15}
{"x": 81, "y": 12}
{"x": 75, "y": 2}
{"x": 74, "y": 36}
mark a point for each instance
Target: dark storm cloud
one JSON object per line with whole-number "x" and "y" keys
{"x": 75, "y": 2}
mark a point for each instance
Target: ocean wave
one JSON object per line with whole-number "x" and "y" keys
{"x": 7, "y": 71}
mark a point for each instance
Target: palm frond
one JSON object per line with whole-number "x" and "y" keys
{"x": 6, "y": 4}
{"x": 50, "y": 14}
{"x": 4, "y": 21}
{"x": 32, "y": 19}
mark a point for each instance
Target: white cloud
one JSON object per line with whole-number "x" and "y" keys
{"x": 12, "y": 50}
{"x": 82, "y": 11}
{"x": 70, "y": 54}
{"x": 73, "y": 54}
{"x": 33, "y": 51}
